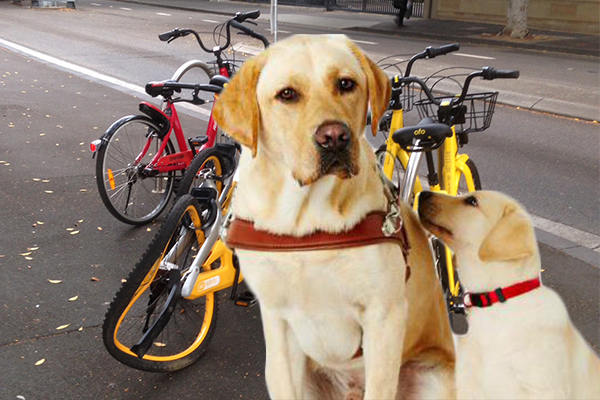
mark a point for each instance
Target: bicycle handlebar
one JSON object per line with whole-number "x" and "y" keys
{"x": 487, "y": 73}
{"x": 242, "y": 16}
{"x": 431, "y": 52}
{"x": 236, "y": 22}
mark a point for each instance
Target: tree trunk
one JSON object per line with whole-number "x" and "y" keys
{"x": 516, "y": 24}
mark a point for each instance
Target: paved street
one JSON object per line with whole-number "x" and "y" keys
{"x": 55, "y": 227}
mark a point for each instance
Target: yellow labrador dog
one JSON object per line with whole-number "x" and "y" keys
{"x": 336, "y": 322}
{"x": 521, "y": 343}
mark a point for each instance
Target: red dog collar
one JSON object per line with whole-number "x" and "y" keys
{"x": 500, "y": 295}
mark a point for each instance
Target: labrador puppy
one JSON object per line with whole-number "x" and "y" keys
{"x": 338, "y": 324}
{"x": 521, "y": 343}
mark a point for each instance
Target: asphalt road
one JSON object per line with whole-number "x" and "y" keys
{"x": 50, "y": 208}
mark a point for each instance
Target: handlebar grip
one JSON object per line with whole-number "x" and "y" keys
{"x": 433, "y": 52}
{"x": 490, "y": 73}
{"x": 249, "y": 32}
{"x": 164, "y": 37}
{"x": 242, "y": 16}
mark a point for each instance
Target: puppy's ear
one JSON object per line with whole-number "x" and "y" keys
{"x": 379, "y": 86}
{"x": 511, "y": 239}
{"x": 236, "y": 109}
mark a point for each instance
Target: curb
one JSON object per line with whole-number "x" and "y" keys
{"x": 566, "y": 246}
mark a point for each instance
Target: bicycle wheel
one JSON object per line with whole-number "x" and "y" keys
{"x": 398, "y": 174}
{"x": 463, "y": 185}
{"x": 148, "y": 325}
{"x": 456, "y": 315}
{"x": 128, "y": 192}
{"x": 208, "y": 161}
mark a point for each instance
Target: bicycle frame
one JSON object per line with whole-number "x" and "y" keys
{"x": 450, "y": 163}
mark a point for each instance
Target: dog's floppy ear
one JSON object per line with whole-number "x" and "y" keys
{"x": 512, "y": 238}
{"x": 236, "y": 110}
{"x": 379, "y": 86}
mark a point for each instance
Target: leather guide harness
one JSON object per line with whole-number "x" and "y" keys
{"x": 377, "y": 227}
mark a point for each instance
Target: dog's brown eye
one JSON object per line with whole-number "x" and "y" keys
{"x": 472, "y": 201}
{"x": 346, "y": 85}
{"x": 287, "y": 95}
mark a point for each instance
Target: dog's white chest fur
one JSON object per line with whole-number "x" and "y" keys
{"x": 323, "y": 295}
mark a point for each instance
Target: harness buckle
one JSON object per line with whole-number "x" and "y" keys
{"x": 226, "y": 224}
{"x": 393, "y": 221}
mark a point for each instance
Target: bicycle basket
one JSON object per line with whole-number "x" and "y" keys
{"x": 478, "y": 117}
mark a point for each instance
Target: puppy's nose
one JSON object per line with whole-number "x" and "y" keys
{"x": 333, "y": 136}
{"x": 423, "y": 201}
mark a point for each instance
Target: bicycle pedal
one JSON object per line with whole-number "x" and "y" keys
{"x": 198, "y": 141}
{"x": 246, "y": 299}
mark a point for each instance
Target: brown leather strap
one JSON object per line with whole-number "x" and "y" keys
{"x": 241, "y": 234}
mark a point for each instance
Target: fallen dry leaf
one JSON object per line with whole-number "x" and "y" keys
{"x": 29, "y": 258}
{"x": 32, "y": 248}
{"x": 83, "y": 190}
{"x": 94, "y": 279}
{"x": 40, "y": 362}
{"x": 62, "y": 327}
{"x": 48, "y": 191}
{"x": 26, "y": 254}
{"x": 36, "y": 179}
{"x": 73, "y": 298}
{"x": 54, "y": 281}
{"x": 70, "y": 229}
{"x": 74, "y": 232}
{"x": 39, "y": 223}
{"x": 99, "y": 228}
{"x": 159, "y": 344}
{"x": 80, "y": 329}
{"x": 80, "y": 221}
{"x": 45, "y": 180}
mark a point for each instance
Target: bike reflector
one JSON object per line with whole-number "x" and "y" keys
{"x": 95, "y": 145}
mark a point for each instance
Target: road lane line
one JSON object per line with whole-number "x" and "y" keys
{"x": 210, "y": 21}
{"x": 473, "y": 56}
{"x": 94, "y": 75}
{"x": 363, "y": 41}
{"x": 95, "y": 4}
{"x": 278, "y": 31}
{"x": 164, "y": 14}
{"x": 125, "y": 9}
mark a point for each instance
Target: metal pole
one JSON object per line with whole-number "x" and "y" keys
{"x": 274, "y": 19}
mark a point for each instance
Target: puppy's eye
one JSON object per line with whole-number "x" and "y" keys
{"x": 346, "y": 85}
{"x": 472, "y": 201}
{"x": 287, "y": 95}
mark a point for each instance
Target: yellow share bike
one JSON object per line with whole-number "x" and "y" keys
{"x": 446, "y": 123}
{"x": 164, "y": 316}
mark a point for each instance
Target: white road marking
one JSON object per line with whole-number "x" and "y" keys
{"x": 210, "y": 21}
{"x": 164, "y": 14}
{"x": 125, "y": 9}
{"x": 473, "y": 56}
{"x": 363, "y": 41}
{"x": 88, "y": 73}
{"x": 96, "y": 4}
{"x": 278, "y": 31}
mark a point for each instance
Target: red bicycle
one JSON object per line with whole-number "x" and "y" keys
{"x": 137, "y": 168}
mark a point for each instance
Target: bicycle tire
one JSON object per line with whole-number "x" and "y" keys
{"x": 207, "y": 158}
{"x": 399, "y": 171}
{"x": 463, "y": 186}
{"x": 138, "y": 303}
{"x": 130, "y": 196}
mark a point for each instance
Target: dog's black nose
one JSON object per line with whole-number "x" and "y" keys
{"x": 333, "y": 136}
{"x": 423, "y": 200}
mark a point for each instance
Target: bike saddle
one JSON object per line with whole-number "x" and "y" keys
{"x": 162, "y": 88}
{"x": 219, "y": 80}
{"x": 427, "y": 135}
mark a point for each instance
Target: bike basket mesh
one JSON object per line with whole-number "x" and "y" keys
{"x": 408, "y": 97}
{"x": 480, "y": 108}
